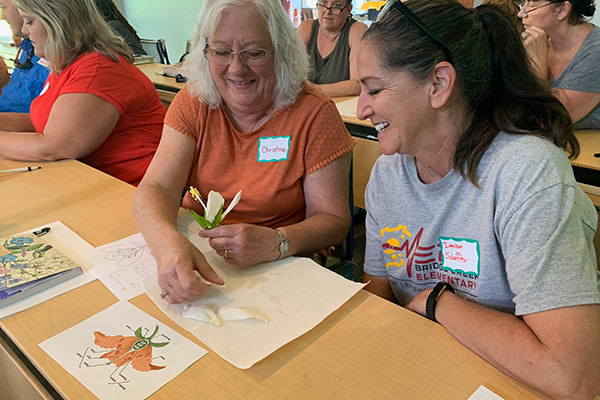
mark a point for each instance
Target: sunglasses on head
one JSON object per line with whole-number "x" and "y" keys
{"x": 399, "y": 5}
{"x": 27, "y": 65}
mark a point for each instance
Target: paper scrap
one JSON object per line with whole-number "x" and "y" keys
{"x": 483, "y": 393}
{"x": 347, "y": 108}
{"x": 295, "y": 294}
{"x": 124, "y": 264}
{"x": 122, "y": 353}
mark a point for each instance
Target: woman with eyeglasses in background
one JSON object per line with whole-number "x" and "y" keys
{"x": 474, "y": 218}
{"x": 565, "y": 50}
{"x": 95, "y": 105}
{"x": 247, "y": 120}
{"x": 331, "y": 42}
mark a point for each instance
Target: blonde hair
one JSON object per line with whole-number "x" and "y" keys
{"x": 291, "y": 63}
{"x": 74, "y": 27}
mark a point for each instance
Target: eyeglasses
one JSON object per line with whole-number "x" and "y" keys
{"x": 334, "y": 9}
{"x": 27, "y": 65}
{"x": 526, "y": 12}
{"x": 250, "y": 57}
{"x": 415, "y": 20}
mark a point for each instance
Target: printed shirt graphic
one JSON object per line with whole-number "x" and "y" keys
{"x": 416, "y": 265}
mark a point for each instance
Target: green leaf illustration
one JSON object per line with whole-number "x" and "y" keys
{"x": 159, "y": 344}
{"x": 35, "y": 246}
{"x": 138, "y": 333}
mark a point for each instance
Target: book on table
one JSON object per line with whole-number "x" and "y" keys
{"x": 28, "y": 266}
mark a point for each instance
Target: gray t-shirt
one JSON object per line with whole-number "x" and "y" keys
{"x": 583, "y": 75}
{"x": 521, "y": 244}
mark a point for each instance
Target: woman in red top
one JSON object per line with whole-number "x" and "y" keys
{"x": 95, "y": 106}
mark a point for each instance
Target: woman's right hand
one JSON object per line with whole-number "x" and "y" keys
{"x": 176, "y": 277}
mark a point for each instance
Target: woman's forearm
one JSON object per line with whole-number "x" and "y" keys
{"x": 16, "y": 122}
{"x": 561, "y": 362}
{"x": 341, "y": 89}
{"x": 315, "y": 233}
{"x": 26, "y": 146}
{"x": 155, "y": 213}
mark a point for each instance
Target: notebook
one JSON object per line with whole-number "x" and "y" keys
{"x": 28, "y": 266}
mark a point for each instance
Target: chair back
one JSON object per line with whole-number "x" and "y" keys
{"x": 156, "y": 48}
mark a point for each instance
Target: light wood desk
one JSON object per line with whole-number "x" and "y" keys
{"x": 368, "y": 349}
{"x": 166, "y": 87}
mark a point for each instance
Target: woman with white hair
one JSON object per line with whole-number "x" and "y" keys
{"x": 248, "y": 120}
{"x": 95, "y": 105}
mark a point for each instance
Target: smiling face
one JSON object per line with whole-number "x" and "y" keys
{"x": 330, "y": 21}
{"x": 244, "y": 89}
{"x": 394, "y": 103}
{"x": 33, "y": 28}
{"x": 10, "y": 14}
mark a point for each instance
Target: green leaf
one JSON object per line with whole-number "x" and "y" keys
{"x": 35, "y": 246}
{"x": 11, "y": 248}
{"x": 159, "y": 344}
{"x": 15, "y": 251}
{"x": 201, "y": 220}
{"x": 218, "y": 218}
{"x": 153, "y": 333}
{"x": 138, "y": 333}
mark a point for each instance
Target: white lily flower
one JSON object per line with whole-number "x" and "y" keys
{"x": 234, "y": 203}
{"x": 213, "y": 205}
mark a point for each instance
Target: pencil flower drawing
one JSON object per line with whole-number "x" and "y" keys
{"x": 213, "y": 209}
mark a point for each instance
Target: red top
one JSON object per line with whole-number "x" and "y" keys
{"x": 128, "y": 150}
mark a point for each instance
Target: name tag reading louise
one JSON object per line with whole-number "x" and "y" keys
{"x": 460, "y": 255}
{"x": 272, "y": 149}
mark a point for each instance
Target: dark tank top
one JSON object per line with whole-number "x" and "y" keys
{"x": 336, "y": 66}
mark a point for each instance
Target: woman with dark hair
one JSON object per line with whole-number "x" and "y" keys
{"x": 331, "y": 42}
{"x": 474, "y": 217}
{"x": 565, "y": 50}
{"x": 120, "y": 25}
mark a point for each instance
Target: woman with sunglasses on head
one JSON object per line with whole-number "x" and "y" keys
{"x": 565, "y": 50}
{"x": 95, "y": 106}
{"x": 331, "y": 42}
{"x": 474, "y": 218}
{"x": 247, "y": 120}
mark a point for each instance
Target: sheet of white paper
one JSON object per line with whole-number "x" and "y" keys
{"x": 483, "y": 393}
{"x": 124, "y": 264}
{"x": 71, "y": 245}
{"x": 347, "y": 108}
{"x": 295, "y": 294}
{"x": 109, "y": 374}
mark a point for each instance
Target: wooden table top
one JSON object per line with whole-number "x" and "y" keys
{"x": 589, "y": 142}
{"x": 160, "y": 81}
{"x": 368, "y": 349}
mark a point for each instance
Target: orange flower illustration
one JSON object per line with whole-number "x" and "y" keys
{"x": 135, "y": 349}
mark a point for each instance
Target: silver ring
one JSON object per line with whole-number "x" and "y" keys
{"x": 226, "y": 253}
{"x": 525, "y": 35}
{"x": 164, "y": 294}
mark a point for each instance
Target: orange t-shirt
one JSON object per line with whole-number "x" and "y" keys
{"x": 269, "y": 164}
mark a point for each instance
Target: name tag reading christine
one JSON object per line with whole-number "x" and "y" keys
{"x": 273, "y": 148}
{"x": 460, "y": 255}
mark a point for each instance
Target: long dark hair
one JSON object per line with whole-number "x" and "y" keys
{"x": 109, "y": 11}
{"x": 494, "y": 75}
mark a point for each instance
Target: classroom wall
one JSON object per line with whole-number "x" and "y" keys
{"x": 163, "y": 19}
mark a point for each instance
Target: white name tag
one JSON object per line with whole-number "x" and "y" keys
{"x": 460, "y": 255}
{"x": 273, "y": 148}
{"x": 46, "y": 86}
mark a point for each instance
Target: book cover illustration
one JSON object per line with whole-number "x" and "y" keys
{"x": 26, "y": 258}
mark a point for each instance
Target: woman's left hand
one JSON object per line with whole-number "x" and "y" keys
{"x": 537, "y": 44}
{"x": 419, "y": 303}
{"x": 243, "y": 245}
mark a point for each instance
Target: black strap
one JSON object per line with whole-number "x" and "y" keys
{"x": 433, "y": 298}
